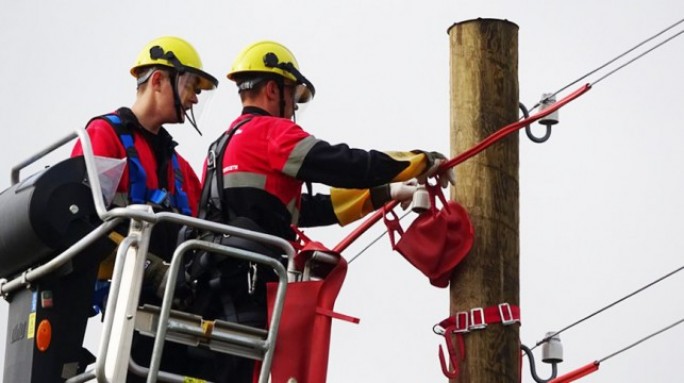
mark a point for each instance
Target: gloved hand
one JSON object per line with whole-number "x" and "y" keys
{"x": 182, "y": 295}
{"x": 157, "y": 274}
{"x": 403, "y": 192}
{"x": 161, "y": 280}
{"x": 434, "y": 161}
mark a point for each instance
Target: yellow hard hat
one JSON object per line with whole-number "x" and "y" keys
{"x": 270, "y": 57}
{"x": 175, "y": 53}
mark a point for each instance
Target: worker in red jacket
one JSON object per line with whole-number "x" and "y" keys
{"x": 265, "y": 165}
{"x": 170, "y": 80}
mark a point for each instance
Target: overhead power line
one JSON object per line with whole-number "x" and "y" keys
{"x": 635, "y": 292}
{"x": 639, "y": 56}
{"x": 642, "y": 340}
{"x": 594, "y": 366}
{"x": 618, "y": 57}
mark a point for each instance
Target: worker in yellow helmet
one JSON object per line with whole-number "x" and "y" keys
{"x": 170, "y": 80}
{"x": 267, "y": 161}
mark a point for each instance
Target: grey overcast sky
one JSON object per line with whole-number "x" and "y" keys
{"x": 600, "y": 209}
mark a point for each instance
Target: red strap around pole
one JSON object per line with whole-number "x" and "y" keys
{"x": 465, "y": 321}
{"x": 478, "y": 318}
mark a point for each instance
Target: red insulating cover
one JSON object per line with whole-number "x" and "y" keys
{"x": 576, "y": 374}
{"x": 437, "y": 240}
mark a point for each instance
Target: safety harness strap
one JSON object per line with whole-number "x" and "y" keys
{"x": 138, "y": 193}
{"x": 211, "y": 207}
{"x": 179, "y": 198}
{"x": 137, "y": 176}
{"x": 210, "y": 200}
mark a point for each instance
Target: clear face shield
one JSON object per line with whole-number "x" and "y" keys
{"x": 301, "y": 95}
{"x": 194, "y": 95}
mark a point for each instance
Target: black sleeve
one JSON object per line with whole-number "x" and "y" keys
{"x": 316, "y": 210}
{"x": 344, "y": 167}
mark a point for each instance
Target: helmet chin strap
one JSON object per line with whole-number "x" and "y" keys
{"x": 191, "y": 118}
{"x": 281, "y": 90}
{"x": 176, "y": 97}
{"x": 180, "y": 111}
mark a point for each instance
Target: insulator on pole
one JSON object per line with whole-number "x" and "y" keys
{"x": 552, "y": 349}
{"x": 547, "y": 100}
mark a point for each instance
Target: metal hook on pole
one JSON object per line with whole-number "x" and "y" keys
{"x": 548, "y": 121}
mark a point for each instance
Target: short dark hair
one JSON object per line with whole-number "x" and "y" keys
{"x": 250, "y": 83}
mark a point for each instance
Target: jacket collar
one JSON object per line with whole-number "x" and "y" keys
{"x": 254, "y": 110}
{"x": 163, "y": 139}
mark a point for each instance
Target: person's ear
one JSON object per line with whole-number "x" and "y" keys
{"x": 272, "y": 90}
{"x": 156, "y": 79}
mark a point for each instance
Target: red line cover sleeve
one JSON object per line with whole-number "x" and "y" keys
{"x": 578, "y": 373}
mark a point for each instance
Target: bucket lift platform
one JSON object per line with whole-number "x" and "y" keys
{"x": 34, "y": 351}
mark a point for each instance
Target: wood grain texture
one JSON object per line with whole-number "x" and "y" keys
{"x": 484, "y": 98}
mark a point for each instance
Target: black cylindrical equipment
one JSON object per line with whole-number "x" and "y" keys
{"x": 44, "y": 214}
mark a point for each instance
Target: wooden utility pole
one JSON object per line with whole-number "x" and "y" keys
{"x": 484, "y": 98}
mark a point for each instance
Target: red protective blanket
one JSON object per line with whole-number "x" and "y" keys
{"x": 437, "y": 240}
{"x": 303, "y": 341}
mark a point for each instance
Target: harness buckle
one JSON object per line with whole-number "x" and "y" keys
{"x": 461, "y": 322}
{"x": 158, "y": 196}
{"x": 211, "y": 159}
{"x": 252, "y": 278}
{"x": 506, "y": 314}
{"x": 477, "y": 319}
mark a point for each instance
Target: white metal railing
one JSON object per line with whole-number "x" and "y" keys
{"x": 113, "y": 359}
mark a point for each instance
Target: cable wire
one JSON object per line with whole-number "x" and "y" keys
{"x": 642, "y": 340}
{"x": 635, "y": 292}
{"x": 593, "y": 366}
{"x": 615, "y": 59}
{"x": 374, "y": 241}
{"x": 638, "y": 57}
